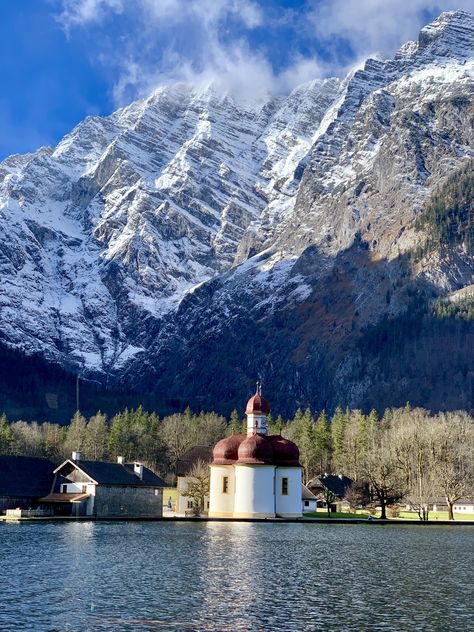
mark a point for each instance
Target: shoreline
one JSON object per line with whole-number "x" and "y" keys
{"x": 375, "y": 521}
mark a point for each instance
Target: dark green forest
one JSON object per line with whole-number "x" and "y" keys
{"x": 448, "y": 215}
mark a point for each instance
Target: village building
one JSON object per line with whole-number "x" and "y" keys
{"x": 184, "y": 466}
{"x": 464, "y": 506}
{"x": 331, "y": 487}
{"x": 439, "y": 504}
{"x": 309, "y": 500}
{"x": 24, "y": 480}
{"x": 255, "y": 475}
{"x": 106, "y": 490}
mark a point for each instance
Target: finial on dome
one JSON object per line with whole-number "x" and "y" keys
{"x": 259, "y": 388}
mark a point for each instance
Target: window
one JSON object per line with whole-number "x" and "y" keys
{"x": 64, "y": 489}
{"x": 284, "y": 486}
{"x": 190, "y": 504}
{"x": 157, "y": 492}
{"x": 306, "y": 503}
{"x": 225, "y": 484}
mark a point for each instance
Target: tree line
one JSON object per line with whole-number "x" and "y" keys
{"x": 135, "y": 434}
{"x": 407, "y": 453}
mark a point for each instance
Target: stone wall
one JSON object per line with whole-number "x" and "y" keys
{"x": 131, "y": 502}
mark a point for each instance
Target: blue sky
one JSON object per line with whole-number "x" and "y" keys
{"x": 62, "y": 60}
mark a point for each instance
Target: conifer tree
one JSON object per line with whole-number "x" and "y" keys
{"x": 96, "y": 437}
{"x": 322, "y": 439}
{"x": 307, "y": 445}
{"x": 54, "y": 442}
{"x": 275, "y": 427}
{"x": 7, "y": 438}
{"x": 75, "y": 434}
{"x": 338, "y": 431}
{"x": 235, "y": 425}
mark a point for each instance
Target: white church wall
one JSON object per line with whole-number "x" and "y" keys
{"x": 289, "y": 504}
{"x": 256, "y": 423}
{"x": 254, "y": 491}
{"x": 221, "y": 503}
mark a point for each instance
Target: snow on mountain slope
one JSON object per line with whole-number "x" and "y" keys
{"x": 174, "y": 231}
{"x": 325, "y": 265}
{"x": 103, "y": 235}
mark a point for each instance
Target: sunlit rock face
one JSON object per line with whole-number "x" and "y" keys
{"x": 192, "y": 238}
{"x": 104, "y": 235}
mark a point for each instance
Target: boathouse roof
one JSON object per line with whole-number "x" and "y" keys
{"x": 104, "y": 473}
{"x": 25, "y": 476}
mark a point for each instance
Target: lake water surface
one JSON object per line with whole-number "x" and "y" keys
{"x": 60, "y": 576}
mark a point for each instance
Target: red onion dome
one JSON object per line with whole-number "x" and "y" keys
{"x": 225, "y": 451}
{"x": 256, "y": 449}
{"x": 285, "y": 452}
{"x": 257, "y": 405}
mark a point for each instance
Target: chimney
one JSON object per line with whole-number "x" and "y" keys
{"x": 76, "y": 456}
{"x": 138, "y": 470}
{"x": 120, "y": 460}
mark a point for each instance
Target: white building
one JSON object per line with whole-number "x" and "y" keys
{"x": 464, "y": 506}
{"x": 309, "y": 500}
{"x": 255, "y": 475}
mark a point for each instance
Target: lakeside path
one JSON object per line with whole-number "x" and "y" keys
{"x": 374, "y": 521}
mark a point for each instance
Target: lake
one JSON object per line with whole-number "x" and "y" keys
{"x": 60, "y": 576}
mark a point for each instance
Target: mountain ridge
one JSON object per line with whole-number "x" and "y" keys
{"x": 186, "y": 219}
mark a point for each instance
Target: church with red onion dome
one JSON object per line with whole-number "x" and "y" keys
{"x": 255, "y": 475}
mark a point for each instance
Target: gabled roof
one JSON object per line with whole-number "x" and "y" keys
{"x": 336, "y": 484}
{"x": 104, "y": 473}
{"x": 192, "y": 456}
{"x": 465, "y": 501}
{"x": 306, "y": 494}
{"x": 25, "y": 476}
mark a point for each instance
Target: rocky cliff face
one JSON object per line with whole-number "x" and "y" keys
{"x": 188, "y": 243}
{"x": 106, "y": 233}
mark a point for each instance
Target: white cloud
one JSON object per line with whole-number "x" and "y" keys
{"x": 371, "y": 26}
{"x": 204, "y": 41}
{"x": 82, "y": 12}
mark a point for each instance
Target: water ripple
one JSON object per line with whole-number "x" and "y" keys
{"x": 254, "y": 577}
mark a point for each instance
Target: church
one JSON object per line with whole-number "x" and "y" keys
{"x": 255, "y": 475}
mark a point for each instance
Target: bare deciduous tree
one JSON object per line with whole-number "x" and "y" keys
{"x": 197, "y": 485}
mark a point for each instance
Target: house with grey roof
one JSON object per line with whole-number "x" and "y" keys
{"x": 336, "y": 485}
{"x": 106, "y": 490}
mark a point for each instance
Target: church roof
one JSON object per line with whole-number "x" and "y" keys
{"x": 256, "y": 449}
{"x": 257, "y": 405}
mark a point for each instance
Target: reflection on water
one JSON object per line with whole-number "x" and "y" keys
{"x": 234, "y": 576}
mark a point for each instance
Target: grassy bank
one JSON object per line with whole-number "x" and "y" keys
{"x": 403, "y": 515}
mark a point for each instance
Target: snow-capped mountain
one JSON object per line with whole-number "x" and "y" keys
{"x": 191, "y": 236}
{"x": 112, "y": 227}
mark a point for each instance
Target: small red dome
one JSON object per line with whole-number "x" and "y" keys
{"x": 285, "y": 452}
{"x": 225, "y": 451}
{"x": 255, "y": 449}
{"x": 257, "y": 405}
